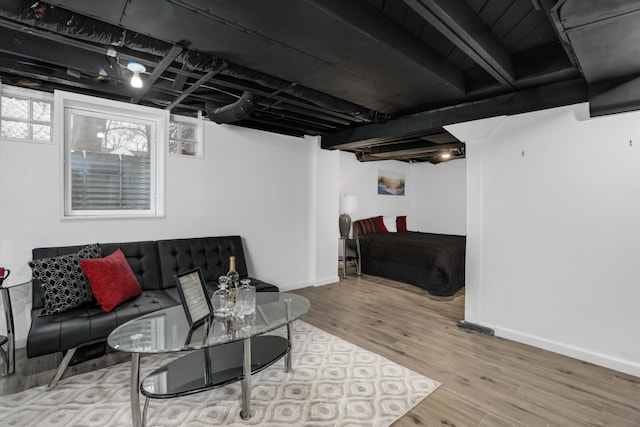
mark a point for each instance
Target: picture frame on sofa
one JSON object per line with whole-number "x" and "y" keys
{"x": 194, "y": 296}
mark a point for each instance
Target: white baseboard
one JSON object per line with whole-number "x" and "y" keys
{"x": 299, "y": 285}
{"x": 626, "y": 366}
{"x": 327, "y": 281}
{"x": 293, "y": 286}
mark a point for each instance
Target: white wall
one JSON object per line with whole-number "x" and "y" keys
{"x": 361, "y": 179}
{"x": 259, "y": 185}
{"x": 327, "y": 184}
{"x": 439, "y": 197}
{"x": 553, "y": 233}
{"x": 434, "y": 200}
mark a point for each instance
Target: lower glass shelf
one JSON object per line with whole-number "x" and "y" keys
{"x": 212, "y": 367}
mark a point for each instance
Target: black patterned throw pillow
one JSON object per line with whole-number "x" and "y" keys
{"x": 65, "y": 285}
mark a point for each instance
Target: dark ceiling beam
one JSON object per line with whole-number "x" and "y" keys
{"x": 47, "y": 78}
{"x": 362, "y": 16}
{"x": 461, "y": 25}
{"x": 617, "y": 96}
{"x": 303, "y": 120}
{"x": 26, "y": 72}
{"x": 374, "y": 142}
{"x": 157, "y": 72}
{"x": 42, "y": 45}
{"x": 196, "y": 85}
{"x": 412, "y": 149}
{"x": 181, "y": 78}
{"x": 551, "y": 8}
{"x": 36, "y": 47}
{"x": 440, "y": 138}
{"x": 543, "y": 65}
{"x": 408, "y": 156}
{"x": 550, "y": 96}
{"x": 290, "y": 100}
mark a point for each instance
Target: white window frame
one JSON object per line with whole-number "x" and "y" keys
{"x": 64, "y": 101}
{"x": 31, "y": 95}
{"x": 199, "y": 123}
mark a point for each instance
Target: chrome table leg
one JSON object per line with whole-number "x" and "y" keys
{"x": 11, "y": 343}
{"x": 135, "y": 390}
{"x": 245, "y": 412}
{"x": 287, "y": 357}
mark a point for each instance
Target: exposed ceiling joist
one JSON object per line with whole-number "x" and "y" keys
{"x": 550, "y": 96}
{"x": 351, "y": 71}
{"x": 412, "y": 150}
{"x": 614, "y": 96}
{"x": 197, "y": 84}
{"x": 157, "y": 72}
{"x": 458, "y": 22}
{"x": 370, "y": 21}
{"x": 181, "y": 78}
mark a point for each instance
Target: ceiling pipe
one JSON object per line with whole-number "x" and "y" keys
{"x": 239, "y": 110}
{"x": 68, "y": 23}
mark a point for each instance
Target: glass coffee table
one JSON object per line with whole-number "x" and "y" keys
{"x": 218, "y": 352}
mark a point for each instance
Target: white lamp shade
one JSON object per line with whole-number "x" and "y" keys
{"x": 349, "y": 204}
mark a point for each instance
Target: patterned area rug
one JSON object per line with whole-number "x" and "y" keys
{"x": 332, "y": 383}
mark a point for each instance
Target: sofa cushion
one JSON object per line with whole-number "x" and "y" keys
{"x": 87, "y": 325}
{"x": 209, "y": 254}
{"x": 142, "y": 258}
{"x": 65, "y": 286}
{"x": 111, "y": 279}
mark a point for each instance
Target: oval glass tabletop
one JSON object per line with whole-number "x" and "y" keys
{"x": 167, "y": 330}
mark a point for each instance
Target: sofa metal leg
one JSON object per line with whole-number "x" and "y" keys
{"x": 61, "y": 368}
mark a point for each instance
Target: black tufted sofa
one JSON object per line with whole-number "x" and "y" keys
{"x": 81, "y": 333}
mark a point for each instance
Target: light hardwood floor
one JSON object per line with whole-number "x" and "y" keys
{"x": 486, "y": 381}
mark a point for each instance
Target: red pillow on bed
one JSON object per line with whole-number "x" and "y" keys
{"x": 111, "y": 279}
{"x": 379, "y": 223}
{"x": 401, "y": 223}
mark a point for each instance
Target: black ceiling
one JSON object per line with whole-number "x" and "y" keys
{"x": 380, "y": 78}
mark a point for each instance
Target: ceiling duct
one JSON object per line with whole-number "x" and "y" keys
{"x": 239, "y": 110}
{"x": 65, "y": 22}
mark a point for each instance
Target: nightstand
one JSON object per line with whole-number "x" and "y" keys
{"x": 350, "y": 252}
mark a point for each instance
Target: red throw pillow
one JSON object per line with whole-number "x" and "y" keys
{"x": 111, "y": 279}
{"x": 379, "y": 223}
{"x": 401, "y": 223}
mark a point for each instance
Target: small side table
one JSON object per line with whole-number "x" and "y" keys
{"x": 10, "y": 339}
{"x": 350, "y": 251}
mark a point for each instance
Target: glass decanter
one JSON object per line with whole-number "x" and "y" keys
{"x": 245, "y": 299}
{"x": 220, "y": 300}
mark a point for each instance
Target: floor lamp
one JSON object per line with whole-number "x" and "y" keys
{"x": 349, "y": 205}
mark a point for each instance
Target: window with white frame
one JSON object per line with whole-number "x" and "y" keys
{"x": 113, "y": 157}
{"x": 186, "y": 136}
{"x": 25, "y": 115}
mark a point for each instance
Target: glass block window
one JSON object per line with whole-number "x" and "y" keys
{"x": 25, "y": 115}
{"x": 185, "y": 137}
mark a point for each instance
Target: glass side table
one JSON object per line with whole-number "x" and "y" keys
{"x": 10, "y": 357}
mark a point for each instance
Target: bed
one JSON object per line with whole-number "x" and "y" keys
{"x": 433, "y": 262}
